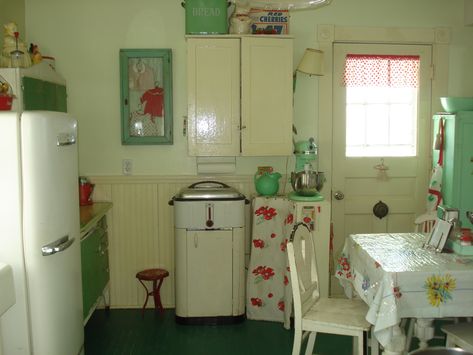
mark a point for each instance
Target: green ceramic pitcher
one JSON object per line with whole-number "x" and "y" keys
{"x": 267, "y": 184}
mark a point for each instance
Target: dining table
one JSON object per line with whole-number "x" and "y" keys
{"x": 398, "y": 277}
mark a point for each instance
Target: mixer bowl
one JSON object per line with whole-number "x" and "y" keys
{"x": 307, "y": 183}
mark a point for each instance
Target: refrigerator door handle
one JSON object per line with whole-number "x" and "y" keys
{"x": 57, "y": 246}
{"x": 65, "y": 139}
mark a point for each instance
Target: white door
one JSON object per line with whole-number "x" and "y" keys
{"x": 51, "y": 212}
{"x": 393, "y": 175}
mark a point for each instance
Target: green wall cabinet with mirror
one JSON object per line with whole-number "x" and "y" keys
{"x": 146, "y": 96}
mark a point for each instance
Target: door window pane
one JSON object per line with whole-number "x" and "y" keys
{"x": 381, "y": 105}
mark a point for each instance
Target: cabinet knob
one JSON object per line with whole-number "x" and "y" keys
{"x": 242, "y": 127}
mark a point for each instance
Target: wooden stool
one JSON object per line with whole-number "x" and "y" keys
{"x": 154, "y": 275}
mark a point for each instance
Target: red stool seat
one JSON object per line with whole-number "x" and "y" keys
{"x": 154, "y": 275}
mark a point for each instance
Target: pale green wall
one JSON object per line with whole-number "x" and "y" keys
{"x": 12, "y": 11}
{"x": 85, "y": 37}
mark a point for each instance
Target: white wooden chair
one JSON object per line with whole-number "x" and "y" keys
{"x": 425, "y": 222}
{"x": 313, "y": 314}
{"x": 460, "y": 335}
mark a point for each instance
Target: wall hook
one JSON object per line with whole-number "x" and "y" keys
{"x": 382, "y": 171}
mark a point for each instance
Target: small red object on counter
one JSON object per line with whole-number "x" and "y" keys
{"x": 85, "y": 192}
{"x": 466, "y": 237}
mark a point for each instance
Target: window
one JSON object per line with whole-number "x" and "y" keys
{"x": 381, "y": 105}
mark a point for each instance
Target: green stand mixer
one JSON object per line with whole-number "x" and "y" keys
{"x": 306, "y": 181}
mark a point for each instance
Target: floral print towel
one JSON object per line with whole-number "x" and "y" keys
{"x": 268, "y": 289}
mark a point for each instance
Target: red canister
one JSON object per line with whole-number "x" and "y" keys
{"x": 85, "y": 192}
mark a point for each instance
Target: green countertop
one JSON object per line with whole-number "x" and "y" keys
{"x": 91, "y": 214}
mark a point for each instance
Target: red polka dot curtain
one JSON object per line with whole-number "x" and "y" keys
{"x": 388, "y": 71}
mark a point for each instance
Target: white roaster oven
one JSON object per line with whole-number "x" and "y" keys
{"x": 209, "y": 222}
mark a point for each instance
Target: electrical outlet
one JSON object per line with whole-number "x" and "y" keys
{"x": 127, "y": 166}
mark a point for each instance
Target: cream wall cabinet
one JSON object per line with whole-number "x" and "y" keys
{"x": 240, "y": 96}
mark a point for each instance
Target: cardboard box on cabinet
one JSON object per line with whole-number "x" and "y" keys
{"x": 269, "y": 21}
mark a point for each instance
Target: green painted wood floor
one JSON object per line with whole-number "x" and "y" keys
{"x": 118, "y": 332}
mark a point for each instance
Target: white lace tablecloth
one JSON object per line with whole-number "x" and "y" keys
{"x": 397, "y": 278}
{"x": 268, "y": 295}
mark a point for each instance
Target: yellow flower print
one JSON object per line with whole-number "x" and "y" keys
{"x": 439, "y": 288}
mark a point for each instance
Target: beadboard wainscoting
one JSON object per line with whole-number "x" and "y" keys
{"x": 141, "y": 229}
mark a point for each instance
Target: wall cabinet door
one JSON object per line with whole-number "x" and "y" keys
{"x": 240, "y": 96}
{"x": 266, "y": 93}
{"x": 213, "y": 97}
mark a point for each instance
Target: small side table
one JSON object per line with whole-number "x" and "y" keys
{"x": 154, "y": 275}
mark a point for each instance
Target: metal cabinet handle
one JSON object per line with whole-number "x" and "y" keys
{"x": 103, "y": 248}
{"x": 196, "y": 240}
{"x": 57, "y": 246}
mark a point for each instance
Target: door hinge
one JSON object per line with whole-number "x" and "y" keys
{"x": 432, "y": 72}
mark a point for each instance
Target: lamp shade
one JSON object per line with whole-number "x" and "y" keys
{"x": 312, "y": 62}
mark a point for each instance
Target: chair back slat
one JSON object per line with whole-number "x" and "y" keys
{"x": 309, "y": 297}
{"x": 303, "y": 270}
{"x": 425, "y": 223}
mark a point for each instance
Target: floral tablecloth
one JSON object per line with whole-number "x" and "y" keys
{"x": 268, "y": 287}
{"x": 398, "y": 278}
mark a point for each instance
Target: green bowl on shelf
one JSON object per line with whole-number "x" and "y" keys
{"x": 454, "y": 104}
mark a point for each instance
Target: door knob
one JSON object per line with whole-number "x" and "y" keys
{"x": 338, "y": 195}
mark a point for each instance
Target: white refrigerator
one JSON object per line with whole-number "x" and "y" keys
{"x": 39, "y": 233}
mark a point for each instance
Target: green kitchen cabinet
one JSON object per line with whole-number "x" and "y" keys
{"x": 90, "y": 263}
{"x": 457, "y": 178}
{"x": 44, "y": 95}
{"x": 94, "y": 256}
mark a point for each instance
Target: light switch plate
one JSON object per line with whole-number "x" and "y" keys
{"x": 127, "y": 166}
